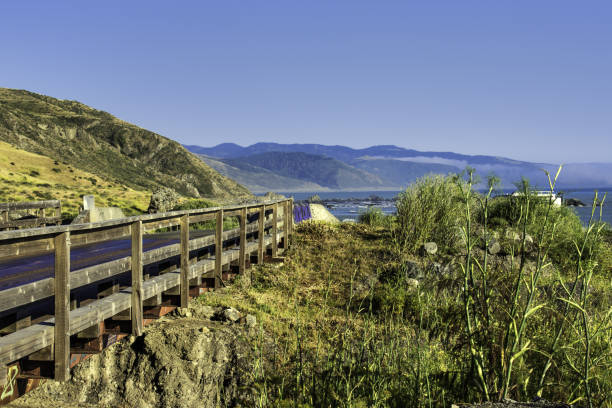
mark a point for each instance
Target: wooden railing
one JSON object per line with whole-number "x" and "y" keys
{"x": 261, "y": 226}
{"x": 38, "y": 219}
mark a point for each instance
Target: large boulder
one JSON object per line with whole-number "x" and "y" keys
{"x": 163, "y": 200}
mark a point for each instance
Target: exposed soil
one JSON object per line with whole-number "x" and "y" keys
{"x": 183, "y": 361}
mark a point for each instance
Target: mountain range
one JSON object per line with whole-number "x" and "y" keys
{"x": 378, "y": 167}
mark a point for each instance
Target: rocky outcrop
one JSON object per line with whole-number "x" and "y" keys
{"x": 185, "y": 360}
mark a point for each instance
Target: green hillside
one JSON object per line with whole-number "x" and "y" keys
{"x": 258, "y": 179}
{"x": 97, "y": 142}
{"x": 324, "y": 171}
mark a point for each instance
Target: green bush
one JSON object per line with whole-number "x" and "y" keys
{"x": 194, "y": 204}
{"x": 429, "y": 210}
{"x": 374, "y": 217}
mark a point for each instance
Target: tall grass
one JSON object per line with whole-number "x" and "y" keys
{"x": 343, "y": 323}
{"x": 430, "y": 210}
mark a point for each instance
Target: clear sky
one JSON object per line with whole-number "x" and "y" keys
{"x": 525, "y": 79}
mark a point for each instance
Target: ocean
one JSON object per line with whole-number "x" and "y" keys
{"x": 360, "y": 200}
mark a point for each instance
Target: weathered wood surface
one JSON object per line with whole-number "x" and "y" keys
{"x": 62, "y": 307}
{"x": 54, "y": 333}
{"x": 29, "y": 205}
{"x": 31, "y": 292}
{"x": 31, "y": 339}
{"x": 136, "y": 266}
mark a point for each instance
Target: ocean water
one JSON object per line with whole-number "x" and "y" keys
{"x": 351, "y": 210}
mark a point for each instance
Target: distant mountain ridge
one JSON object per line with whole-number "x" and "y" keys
{"x": 99, "y": 143}
{"x": 396, "y": 166}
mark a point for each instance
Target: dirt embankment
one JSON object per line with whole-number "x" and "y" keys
{"x": 180, "y": 361}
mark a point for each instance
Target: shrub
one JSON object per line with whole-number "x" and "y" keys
{"x": 34, "y": 173}
{"x": 194, "y": 204}
{"x": 429, "y": 210}
{"x": 374, "y": 217}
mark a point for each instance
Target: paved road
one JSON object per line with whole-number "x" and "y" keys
{"x": 19, "y": 271}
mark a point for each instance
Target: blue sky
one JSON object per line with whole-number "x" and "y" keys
{"x": 528, "y": 80}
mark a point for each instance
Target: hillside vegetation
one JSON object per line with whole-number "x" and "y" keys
{"x": 258, "y": 179}
{"x": 26, "y": 176}
{"x": 514, "y": 303}
{"x": 98, "y": 143}
{"x": 321, "y": 170}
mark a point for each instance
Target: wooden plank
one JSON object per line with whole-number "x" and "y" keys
{"x": 165, "y": 223}
{"x": 286, "y": 221}
{"x": 31, "y": 339}
{"x": 201, "y": 218}
{"x": 291, "y": 220}
{"x": 233, "y": 213}
{"x": 146, "y": 218}
{"x": 185, "y": 260}
{"x": 29, "y": 205}
{"x": 62, "y": 307}
{"x": 137, "y": 297}
{"x": 260, "y": 234}
{"x": 274, "y": 230}
{"x": 31, "y": 292}
{"x": 92, "y": 236}
{"x": 29, "y": 222}
{"x": 243, "y": 243}
{"x": 218, "y": 247}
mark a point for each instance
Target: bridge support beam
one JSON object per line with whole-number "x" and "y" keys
{"x": 260, "y": 234}
{"x": 185, "y": 260}
{"x": 218, "y": 248}
{"x": 137, "y": 277}
{"x": 62, "y": 306}
{"x": 274, "y": 230}
{"x": 243, "y": 241}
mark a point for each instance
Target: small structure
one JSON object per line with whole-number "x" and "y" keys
{"x": 91, "y": 213}
{"x": 556, "y": 199}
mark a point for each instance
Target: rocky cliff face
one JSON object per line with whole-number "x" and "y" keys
{"x": 187, "y": 361}
{"x": 97, "y": 142}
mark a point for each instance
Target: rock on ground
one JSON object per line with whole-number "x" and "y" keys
{"x": 320, "y": 213}
{"x": 186, "y": 362}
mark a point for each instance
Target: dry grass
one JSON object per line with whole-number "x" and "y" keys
{"x": 26, "y": 176}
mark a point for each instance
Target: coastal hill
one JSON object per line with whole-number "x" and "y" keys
{"x": 299, "y": 171}
{"x": 396, "y": 166}
{"x": 96, "y": 142}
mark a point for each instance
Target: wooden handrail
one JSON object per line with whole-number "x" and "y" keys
{"x": 60, "y": 239}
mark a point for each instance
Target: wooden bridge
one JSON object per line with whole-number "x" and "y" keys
{"x": 41, "y": 216}
{"x": 66, "y": 292}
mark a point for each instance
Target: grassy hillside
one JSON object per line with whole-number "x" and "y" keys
{"x": 26, "y": 176}
{"x": 258, "y": 179}
{"x": 96, "y": 142}
{"x": 359, "y": 316}
{"x": 321, "y": 170}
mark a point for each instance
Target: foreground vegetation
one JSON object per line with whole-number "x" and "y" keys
{"x": 516, "y": 303}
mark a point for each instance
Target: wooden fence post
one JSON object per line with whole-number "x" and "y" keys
{"x": 58, "y": 213}
{"x": 184, "y": 286}
{"x": 136, "y": 262}
{"x": 274, "y": 230}
{"x": 286, "y": 223}
{"x": 261, "y": 234}
{"x": 291, "y": 220}
{"x": 243, "y": 241}
{"x": 61, "y": 337}
{"x": 218, "y": 248}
